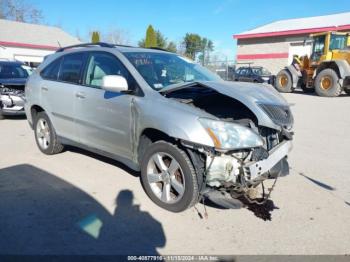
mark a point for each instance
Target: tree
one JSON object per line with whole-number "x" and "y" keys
{"x": 20, "y": 10}
{"x": 193, "y": 45}
{"x": 207, "y": 46}
{"x": 95, "y": 38}
{"x": 116, "y": 36}
{"x": 171, "y": 47}
{"x": 161, "y": 42}
{"x": 151, "y": 37}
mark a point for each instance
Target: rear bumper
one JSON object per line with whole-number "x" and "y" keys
{"x": 278, "y": 153}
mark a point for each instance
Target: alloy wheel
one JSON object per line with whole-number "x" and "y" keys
{"x": 165, "y": 177}
{"x": 43, "y": 133}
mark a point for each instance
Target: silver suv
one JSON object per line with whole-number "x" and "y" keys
{"x": 192, "y": 135}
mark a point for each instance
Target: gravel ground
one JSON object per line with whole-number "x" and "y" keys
{"x": 80, "y": 203}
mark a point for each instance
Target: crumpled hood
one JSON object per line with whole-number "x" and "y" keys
{"x": 258, "y": 93}
{"x": 249, "y": 94}
{"x": 242, "y": 91}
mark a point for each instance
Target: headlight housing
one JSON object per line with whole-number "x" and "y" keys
{"x": 226, "y": 135}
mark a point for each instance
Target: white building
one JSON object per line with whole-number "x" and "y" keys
{"x": 273, "y": 45}
{"x": 30, "y": 43}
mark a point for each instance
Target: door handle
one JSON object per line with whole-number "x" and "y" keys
{"x": 80, "y": 95}
{"x": 44, "y": 88}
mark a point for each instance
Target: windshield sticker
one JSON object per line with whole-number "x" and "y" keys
{"x": 163, "y": 72}
{"x": 158, "y": 86}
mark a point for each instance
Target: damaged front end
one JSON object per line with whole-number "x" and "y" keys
{"x": 245, "y": 153}
{"x": 12, "y": 99}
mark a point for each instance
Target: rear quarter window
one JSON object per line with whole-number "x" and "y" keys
{"x": 50, "y": 72}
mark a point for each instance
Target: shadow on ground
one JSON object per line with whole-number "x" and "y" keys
{"x": 318, "y": 183}
{"x": 42, "y": 214}
{"x": 301, "y": 92}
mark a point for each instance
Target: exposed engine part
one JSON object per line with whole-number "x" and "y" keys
{"x": 240, "y": 173}
{"x": 222, "y": 169}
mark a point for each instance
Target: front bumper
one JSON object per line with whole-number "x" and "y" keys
{"x": 12, "y": 105}
{"x": 15, "y": 111}
{"x": 276, "y": 154}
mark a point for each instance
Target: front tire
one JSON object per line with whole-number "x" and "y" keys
{"x": 327, "y": 83}
{"x": 168, "y": 177}
{"x": 284, "y": 82}
{"x": 45, "y": 135}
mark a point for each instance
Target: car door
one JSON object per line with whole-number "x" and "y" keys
{"x": 58, "y": 92}
{"x": 242, "y": 75}
{"x": 237, "y": 74}
{"x": 249, "y": 75}
{"x": 103, "y": 117}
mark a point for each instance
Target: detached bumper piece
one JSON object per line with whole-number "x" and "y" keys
{"x": 276, "y": 162}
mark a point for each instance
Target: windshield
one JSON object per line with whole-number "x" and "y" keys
{"x": 337, "y": 42}
{"x": 318, "y": 47}
{"x": 164, "y": 69}
{"x": 12, "y": 71}
{"x": 260, "y": 71}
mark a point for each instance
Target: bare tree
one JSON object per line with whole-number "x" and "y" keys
{"x": 116, "y": 36}
{"x": 20, "y": 10}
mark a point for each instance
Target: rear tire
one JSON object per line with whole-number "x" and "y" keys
{"x": 327, "y": 83}
{"x": 1, "y": 115}
{"x": 284, "y": 82}
{"x": 158, "y": 177}
{"x": 45, "y": 135}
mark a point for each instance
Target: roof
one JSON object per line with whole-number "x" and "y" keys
{"x": 334, "y": 22}
{"x": 26, "y": 35}
{"x": 5, "y": 62}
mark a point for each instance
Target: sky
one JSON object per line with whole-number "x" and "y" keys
{"x": 217, "y": 20}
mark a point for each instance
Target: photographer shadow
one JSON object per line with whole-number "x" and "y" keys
{"x": 129, "y": 221}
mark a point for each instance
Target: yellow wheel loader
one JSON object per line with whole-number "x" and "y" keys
{"x": 327, "y": 70}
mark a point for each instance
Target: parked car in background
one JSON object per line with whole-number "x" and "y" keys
{"x": 29, "y": 69}
{"x": 13, "y": 76}
{"x": 255, "y": 74}
{"x": 189, "y": 132}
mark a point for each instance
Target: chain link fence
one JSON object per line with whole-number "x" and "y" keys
{"x": 224, "y": 68}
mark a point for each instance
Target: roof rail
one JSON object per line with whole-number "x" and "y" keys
{"x": 84, "y": 45}
{"x": 159, "y": 48}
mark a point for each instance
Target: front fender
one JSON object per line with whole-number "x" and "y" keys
{"x": 177, "y": 121}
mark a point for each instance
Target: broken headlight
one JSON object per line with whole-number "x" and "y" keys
{"x": 226, "y": 135}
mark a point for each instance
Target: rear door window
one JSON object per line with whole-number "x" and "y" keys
{"x": 72, "y": 67}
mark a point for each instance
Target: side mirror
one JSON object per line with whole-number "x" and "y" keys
{"x": 114, "y": 83}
